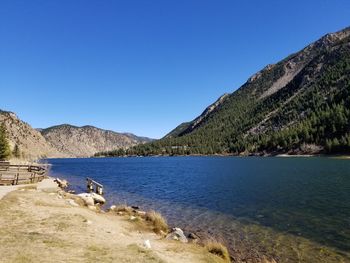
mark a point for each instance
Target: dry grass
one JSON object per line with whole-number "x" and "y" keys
{"x": 157, "y": 222}
{"x": 218, "y": 249}
{"x": 123, "y": 208}
{"x": 32, "y": 221}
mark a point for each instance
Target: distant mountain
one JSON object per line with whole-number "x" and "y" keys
{"x": 298, "y": 105}
{"x": 87, "y": 140}
{"x": 63, "y": 140}
{"x": 32, "y": 145}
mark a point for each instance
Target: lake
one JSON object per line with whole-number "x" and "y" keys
{"x": 294, "y": 209}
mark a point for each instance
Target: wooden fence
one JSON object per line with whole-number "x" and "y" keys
{"x": 21, "y": 174}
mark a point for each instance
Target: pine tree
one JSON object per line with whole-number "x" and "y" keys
{"x": 16, "y": 152}
{"x": 4, "y": 145}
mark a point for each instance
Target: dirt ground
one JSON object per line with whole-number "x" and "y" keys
{"x": 42, "y": 225}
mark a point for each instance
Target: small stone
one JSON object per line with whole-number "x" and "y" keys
{"x": 113, "y": 207}
{"x": 177, "y": 234}
{"x": 133, "y": 218}
{"x": 147, "y": 244}
{"x": 141, "y": 213}
{"x": 193, "y": 236}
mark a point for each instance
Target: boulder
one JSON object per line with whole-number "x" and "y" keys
{"x": 92, "y": 198}
{"x": 193, "y": 237}
{"x": 87, "y": 198}
{"x": 177, "y": 234}
{"x": 61, "y": 183}
{"x": 98, "y": 199}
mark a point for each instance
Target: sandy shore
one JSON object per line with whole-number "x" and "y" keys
{"x": 41, "y": 223}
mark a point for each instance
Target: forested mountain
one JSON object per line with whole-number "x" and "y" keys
{"x": 298, "y": 105}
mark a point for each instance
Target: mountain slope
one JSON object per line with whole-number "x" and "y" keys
{"x": 87, "y": 140}
{"x": 299, "y": 105}
{"x": 32, "y": 145}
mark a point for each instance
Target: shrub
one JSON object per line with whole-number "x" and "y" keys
{"x": 157, "y": 221}
{"x": 218, "y": 249}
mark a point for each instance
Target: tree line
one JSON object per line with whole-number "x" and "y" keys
{"x": 5, "y": 150}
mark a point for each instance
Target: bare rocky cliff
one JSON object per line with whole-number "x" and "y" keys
{"x": 63, "y": 140}
{"x": 31, "y": 143}
{"x": 87, "y": 140}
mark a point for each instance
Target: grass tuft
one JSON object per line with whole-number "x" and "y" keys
{"x": 123, "y": 208}
{"x": 157, "y": 221}
{"x": 218, "y": 249}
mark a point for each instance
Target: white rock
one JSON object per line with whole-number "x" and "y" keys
{"x": 141, "y": 213}
{"x": 87, "y": 198}
{"x": 177, "y": 234}
{"x": 147, "y": 244}
{"x": 98, "y": 198}
{"x": 61, "y": 183}
{"x": 132, "y": 218}
{"x": 88, "y": 222}
{"x": 113, "y": 207}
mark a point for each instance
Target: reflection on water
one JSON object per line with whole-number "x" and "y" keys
{"x": 295, "y": 209}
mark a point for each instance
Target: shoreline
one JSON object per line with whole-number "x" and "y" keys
{"x": 282, "y": 155}
{"x": 38, "y": 203}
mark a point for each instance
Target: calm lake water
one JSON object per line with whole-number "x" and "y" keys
{"x": 294, "y": 209}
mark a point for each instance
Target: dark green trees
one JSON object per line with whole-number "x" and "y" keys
{"x": 4, "y": 145}
{"x": 309, "y": 113}
{"x": 16, "y": 152}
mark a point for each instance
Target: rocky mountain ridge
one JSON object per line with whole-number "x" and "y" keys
{"x": 31, "y": 143}
{"x": 87, "y": 140}
{"x": 63, "y": 140}
{"x": 298, "y": 105}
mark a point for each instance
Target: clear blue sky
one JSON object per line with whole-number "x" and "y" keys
{"x": 144, "y": 66}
